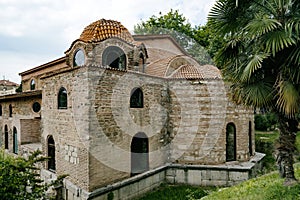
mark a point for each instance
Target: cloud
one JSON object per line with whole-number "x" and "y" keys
{"x": 38, "y": 31}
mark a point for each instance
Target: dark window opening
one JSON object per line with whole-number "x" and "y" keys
{"x": 139, "y": 154}
{"x": 0, "y": 110}
{"x": 114, "y": 57}
{"x": 137, "y": 98}
{"x": 6, "y": 137}
{"x": 250, "y": 139}
{"x": 10, "y": 110}
{"x": 15, "y": 141}
{"x": 36, "y": 107}
{"x": 142, "y": 63}
{"x": 62, "y": 98}
{"x": 51, "y": 154}
{"x": 230, "y": 142}
{"x": 32, "y": 85}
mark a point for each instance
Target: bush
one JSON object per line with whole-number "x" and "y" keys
{"x": 265, "y": 122}
{"x": 20, "y": 178}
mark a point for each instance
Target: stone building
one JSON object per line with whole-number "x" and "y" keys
{"x": 7, "y": 87}
{"x": 120, "y": 114}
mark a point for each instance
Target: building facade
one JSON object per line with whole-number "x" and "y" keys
{"x": 117, "y": 106}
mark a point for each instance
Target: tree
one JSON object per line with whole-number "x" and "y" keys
{"x": 261, "y": 59}
{"x": 195, "y": 40}
{"x": 20, "y": 178}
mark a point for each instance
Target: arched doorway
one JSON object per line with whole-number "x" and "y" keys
{"x": 230, "y": 142}
{"x": 139, "y": 154}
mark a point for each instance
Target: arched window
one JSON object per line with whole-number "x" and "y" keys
{"x": 62, "y": 99}
{"x": 51, "y": 153}
{"x": 79, "y": 58}
{"x": 32, "y": 85}
{"x": 139, "y": 154}
{"x": 136, "y": 98}
{"x": 0, "y": 110}
{"x": 10, "y": 110}
{"x": 230, "y": 142}
{"x": 5, "y": 137}
{"x": 250, "y": 138}
{"x": 15, "y": 140}
{"x": 114, "y": 57}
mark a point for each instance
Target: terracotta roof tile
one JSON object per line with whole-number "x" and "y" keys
{"x": 8, "y": 83}
{"x": 104, "y": 29}
{"x": 210, "y": 72}
{"x": 186, "y": 72}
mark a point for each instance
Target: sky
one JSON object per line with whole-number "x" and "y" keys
{"x": 34, "y": 32}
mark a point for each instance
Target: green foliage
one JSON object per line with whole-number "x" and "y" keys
{"x": 19, "y": 89}
{"x": 198, "y": 41}
{"x": 180, "y": 192}
{"x": 19, "y": 177}
{"x": 265, "y": 122}
{"x": 268, "y": 186}
{"x": 260, "y": 55}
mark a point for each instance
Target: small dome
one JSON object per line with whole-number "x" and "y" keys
{"x": 104, "y": 29}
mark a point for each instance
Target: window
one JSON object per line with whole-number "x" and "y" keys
{"x": 250, "y": 139}
{"x": 36, "y": 107}
{"x": 136, "y": 98}
{"x": 15, "y": 140}
{"x": 51, "y": 153}
{"x": 10, "y": 110}
{"x": 0, "y": 110}
{"x": 32, "y": 85}
{"x": 6, "y": 137}
{"x": 114, "y": 57}
{"x": 230, "y": 142}
{"x": 142, "y": 63}
{"x": 79, "y": 58}
{"x": 139, "y": 154}
{"x": 62, "y": 98}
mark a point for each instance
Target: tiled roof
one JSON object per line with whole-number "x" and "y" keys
{"x": 159, "y": 67}
{"x": 187, "y": 72}
{"x": 104, "y": 29}
{"x": 8, "y": 83}
{"x": 210, "y": 72}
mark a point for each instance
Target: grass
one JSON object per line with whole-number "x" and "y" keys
{"x": 176, "y": 192}
{"x": 266, "y": 187}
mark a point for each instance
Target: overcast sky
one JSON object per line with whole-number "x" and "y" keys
{"x": 34, "y": 32}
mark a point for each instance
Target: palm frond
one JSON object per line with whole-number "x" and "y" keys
{"x": 257, "y": 94}
{"x": 278, "y": 40}
{"x": 261, "y": 25}
{"x": 255, "y": 63}
{"x": 288, "y": 98}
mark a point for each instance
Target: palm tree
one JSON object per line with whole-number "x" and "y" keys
{"x": 261, "y": 59}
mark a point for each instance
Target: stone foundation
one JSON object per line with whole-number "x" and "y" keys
{"x": 227, "y": 174}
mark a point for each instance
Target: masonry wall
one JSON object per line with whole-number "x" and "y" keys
{"x": 30, "y": 131}
{"x": 114, "y": 123}
{"x": 21, "y": 110}
{"x": 69, "y": 127}
{"x": 200, "y": 112}
{"x": 37, "y": 74}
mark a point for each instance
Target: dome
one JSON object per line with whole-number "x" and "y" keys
{"x": 104, "y": 29}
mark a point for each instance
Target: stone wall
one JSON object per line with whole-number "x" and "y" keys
{"x": 200, "y": 112}
{"x": 113, "y": 123}
{"x": 69, "y": 127}
{"x": 21, "y": 110}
